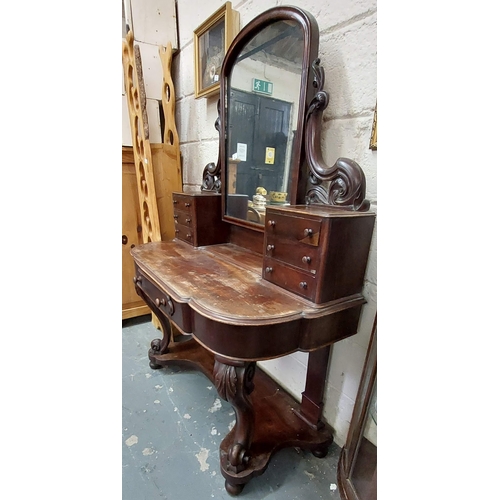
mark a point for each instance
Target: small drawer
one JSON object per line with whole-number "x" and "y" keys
{"x": 301, "y": 229}
{"x": 184, "y": 218}
{"x": 183, "y": 202}
{"x": 293, "y": 280}
{"x": 185, "y": 234}
{"x": 178, "y": 312}
{"x": 296, "y": 254}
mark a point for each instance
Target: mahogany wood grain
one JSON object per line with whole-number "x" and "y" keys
{"x": 276, "y": 423}
{"x": 230, "y": 309}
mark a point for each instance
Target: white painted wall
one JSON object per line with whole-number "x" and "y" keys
{"x": 348, "y": 52}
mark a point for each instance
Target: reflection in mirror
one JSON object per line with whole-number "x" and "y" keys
{"x": 262, "y": 115}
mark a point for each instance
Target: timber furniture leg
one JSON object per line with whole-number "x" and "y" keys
{"x": 234, "y": 383}
{"x": 311, "y": 408}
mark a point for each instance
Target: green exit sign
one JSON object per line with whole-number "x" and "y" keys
{"x": 262, "y": 86}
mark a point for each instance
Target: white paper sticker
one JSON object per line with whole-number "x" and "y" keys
{"x": 241, "y": 151}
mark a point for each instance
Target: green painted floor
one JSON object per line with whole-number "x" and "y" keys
{"x": 173, "y": 421}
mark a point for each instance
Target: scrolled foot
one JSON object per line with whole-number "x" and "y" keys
{"x": 233, "y": 489}
{"x": 153, "y": 365}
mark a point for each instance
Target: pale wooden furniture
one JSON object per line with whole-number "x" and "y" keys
{"x": 157, "y": 167}
{"x": 132, "y": 305}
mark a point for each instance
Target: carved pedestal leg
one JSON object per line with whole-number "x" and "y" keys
{"x": 234, "y": 383}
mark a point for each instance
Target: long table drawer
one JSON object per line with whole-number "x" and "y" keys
{"x": 178, "y": 312}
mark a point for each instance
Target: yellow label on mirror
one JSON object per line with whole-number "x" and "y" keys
{"x": 270, "y": 156}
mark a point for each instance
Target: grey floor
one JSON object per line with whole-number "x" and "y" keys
{"x": 173, "y": 421}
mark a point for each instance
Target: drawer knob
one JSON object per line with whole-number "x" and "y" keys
{"x": 269, "y": 270}
{"x": 176, "y": 216}
{"x": 303, "y": 285}
{"x": 270, "y": 248}
{"x": 308, "y": 232}
{"x": 187, "y": 204}
{"x": 176, "y": 231}
{"x": 306, "y": 259}
{"x": 175, "y": 202}
{"x": 137, "y": 279}
{"x": 188, "y": 236}
{"x": 271, "y": 223}
{"x": 188, "y": 221}
{"x": 124, "y": 239}
{"x": 170, "y": 306}
{"x": 168, "y": 303}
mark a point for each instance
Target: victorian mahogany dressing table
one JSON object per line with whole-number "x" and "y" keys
{"x": 239, "y": 291}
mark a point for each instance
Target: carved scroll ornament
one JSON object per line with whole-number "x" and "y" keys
{"x": 347, "y": 181}
{"x": 212, "y": 171}
{"x": 234, "y": 384}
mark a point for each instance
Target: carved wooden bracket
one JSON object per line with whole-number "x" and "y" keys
{"x": 234, "y": 384}
{"x": 212, "y": 171}
{"x": 347, "y": 180}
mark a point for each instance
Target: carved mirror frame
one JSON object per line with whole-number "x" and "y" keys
{"x": 313, "y": 181}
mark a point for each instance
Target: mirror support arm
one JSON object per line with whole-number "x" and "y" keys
{"x": 348, "y": 185}
{"x": 212, "y": 171}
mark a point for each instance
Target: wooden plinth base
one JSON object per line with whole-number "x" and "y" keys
{"x": 277, "y": 424}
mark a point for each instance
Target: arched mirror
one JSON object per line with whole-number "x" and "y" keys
{"x": 270, "y": 114}
{"x": 265, "y": 85}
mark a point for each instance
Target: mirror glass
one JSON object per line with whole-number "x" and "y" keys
{"x": 263, "y": 94}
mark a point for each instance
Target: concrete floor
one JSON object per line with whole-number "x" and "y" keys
{"x": 173, "y": 421}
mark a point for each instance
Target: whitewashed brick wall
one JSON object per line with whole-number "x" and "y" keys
{"x": 348, "y": 52}
{"x": 154, "y": 24}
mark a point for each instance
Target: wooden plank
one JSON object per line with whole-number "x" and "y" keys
{"x": 168, "y": 179}
{"x": 136, "y": 99}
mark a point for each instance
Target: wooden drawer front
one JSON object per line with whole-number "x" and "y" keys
{"x": 294, "y": 280}
{"x": 186, "y": 234}
{"x": 178, "y": 312}
{"x": 184, "y": 219}
{"x": 301, "y": 229}
{"x": 299, "y": 255}
{"x": 183, "y": 202}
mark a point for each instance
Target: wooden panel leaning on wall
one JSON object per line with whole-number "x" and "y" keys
{"x": 157, "y": 166}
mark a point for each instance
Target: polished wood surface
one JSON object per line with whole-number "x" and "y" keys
{"x": 219, "y": 295}
{"x": 198, "y": 218}
{"x": 316, "y": 251}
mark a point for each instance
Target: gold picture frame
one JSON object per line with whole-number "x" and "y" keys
{"x": 373, "y": 138}
{"x": 211, "y": 41}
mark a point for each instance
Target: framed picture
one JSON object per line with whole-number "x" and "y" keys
{"x": 211, "y": 41}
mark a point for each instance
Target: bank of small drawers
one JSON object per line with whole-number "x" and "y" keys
{"x": 198, "y": 218}
{"x": 317, "y": 252}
